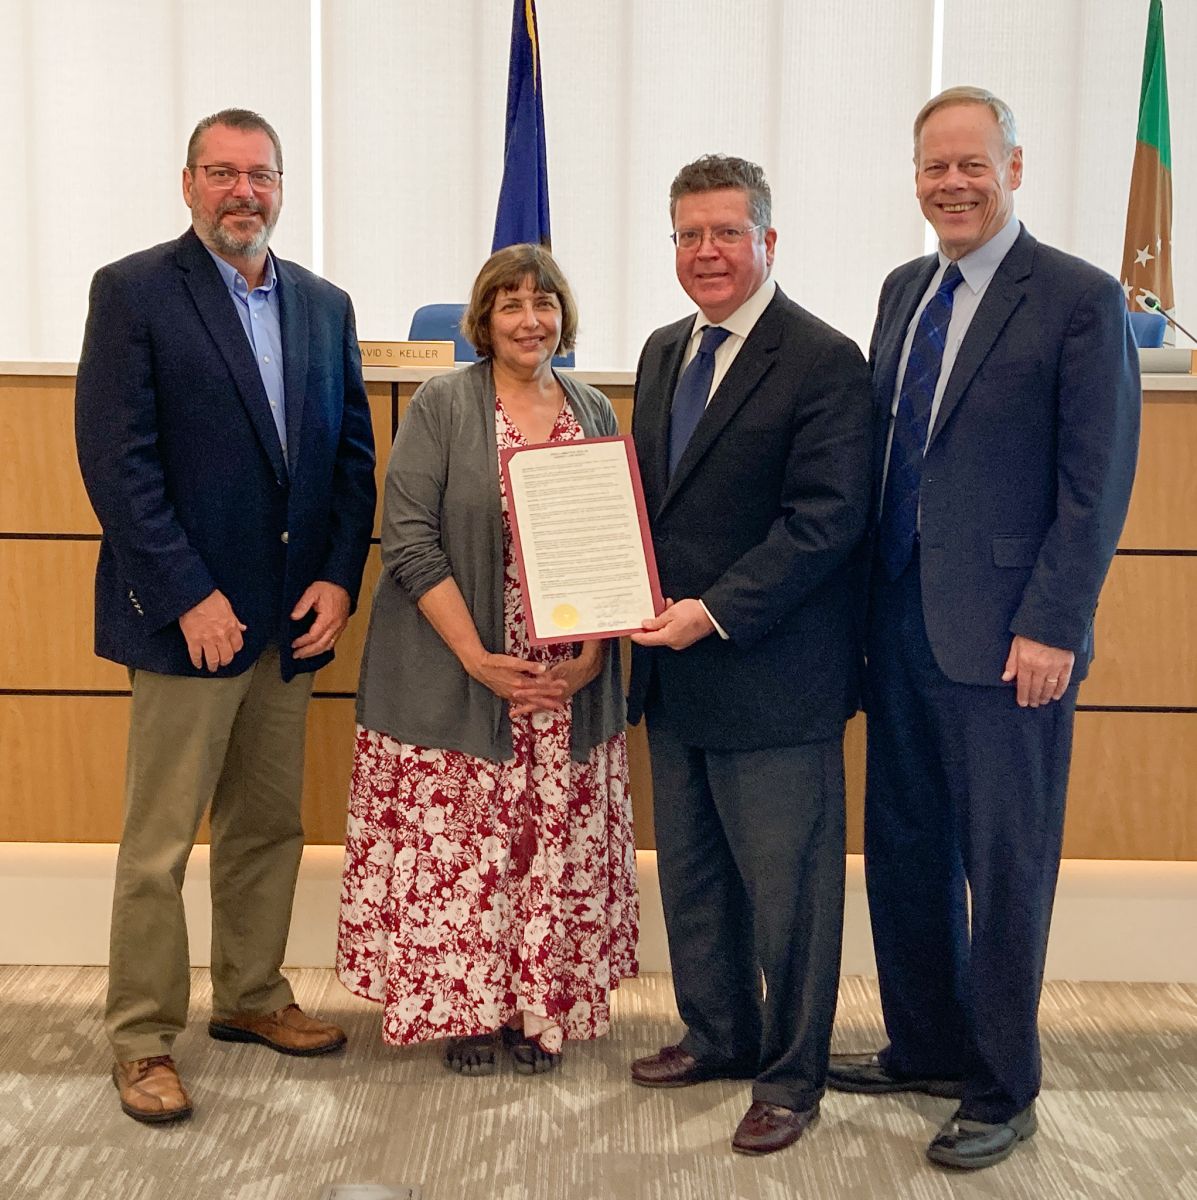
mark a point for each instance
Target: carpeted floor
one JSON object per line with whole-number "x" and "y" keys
{"x": 1118, "y": 1115}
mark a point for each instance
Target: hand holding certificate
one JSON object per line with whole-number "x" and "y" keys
{"x": 581, "y": 536}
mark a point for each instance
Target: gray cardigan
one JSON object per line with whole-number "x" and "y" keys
{"x": 442, "y": 517}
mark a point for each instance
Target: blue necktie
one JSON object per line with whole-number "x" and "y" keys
{"x": 693, "y": 390}
{"x": 900, "y": 505}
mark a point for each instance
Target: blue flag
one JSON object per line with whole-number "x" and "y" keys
{"x": 523, "y": 214}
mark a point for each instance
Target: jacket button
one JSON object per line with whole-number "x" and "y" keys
{"x": 283, "y": 537}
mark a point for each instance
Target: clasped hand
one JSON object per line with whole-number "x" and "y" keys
{"x": 531, "y": 687}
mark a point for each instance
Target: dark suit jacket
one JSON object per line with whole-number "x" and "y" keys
{"x": 183, "y": 464}
{"x": 1028, "y": 470}
{"x": 761, "y": 521}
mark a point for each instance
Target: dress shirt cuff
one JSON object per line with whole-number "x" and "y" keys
{"x": 718, "y": 628}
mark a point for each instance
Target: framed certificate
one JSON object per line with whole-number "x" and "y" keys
{"x": 586, "y": 562}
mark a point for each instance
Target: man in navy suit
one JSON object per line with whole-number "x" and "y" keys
{"x": 225, "y": 441}
{"x": 1006, "y": 385}
{"x": 752, "y": 428}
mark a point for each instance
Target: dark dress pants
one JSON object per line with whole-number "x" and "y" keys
{"x": 750, "y": 852}
{"x": 964, "y": 800}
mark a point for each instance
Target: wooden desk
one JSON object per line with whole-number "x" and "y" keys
{"x": 64, "y": 713}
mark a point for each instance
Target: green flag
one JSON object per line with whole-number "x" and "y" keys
{"x": 1147, "y": 251}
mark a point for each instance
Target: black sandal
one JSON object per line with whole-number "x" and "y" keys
{"x": 471, "y": 1055}
{"x": 527, "y": 1055}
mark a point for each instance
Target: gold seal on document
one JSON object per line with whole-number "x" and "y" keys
{"x": 565, "y": 616}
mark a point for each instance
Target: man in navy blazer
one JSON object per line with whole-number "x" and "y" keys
{"x": 1006, "y": 388}
{"x": 225, "y": 441}
{"x": 752, "y": 428}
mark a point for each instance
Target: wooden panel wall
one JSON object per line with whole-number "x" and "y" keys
{"x": 64, "y": 713}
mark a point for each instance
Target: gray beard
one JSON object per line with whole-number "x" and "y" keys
{"x": 221, "y": 239}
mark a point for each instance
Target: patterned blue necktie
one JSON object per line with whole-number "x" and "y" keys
{"x": 693, "y": 390}
{"x": 900, "y": 505}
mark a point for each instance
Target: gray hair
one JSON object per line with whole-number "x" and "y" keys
{"x": 970, "y": 95}
{"x": 713, "y": 172}
{"x": 233, "y": 118}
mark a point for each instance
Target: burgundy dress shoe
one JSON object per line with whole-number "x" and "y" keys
{"x": 769, "y": 1127}
{"x": 288, "y": 1030}
{"x": 672, "y": 1066}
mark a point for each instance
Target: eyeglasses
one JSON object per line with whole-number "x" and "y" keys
{"x": 725, "y": 237}
{"x": 224, "y": 178}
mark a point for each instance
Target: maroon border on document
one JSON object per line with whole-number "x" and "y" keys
{"x": 650, "y": 559}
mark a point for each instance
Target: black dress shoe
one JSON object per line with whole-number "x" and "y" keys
{"x": 971, "y": 1145}
{"x": 769, "y": 1127}
{"x": 864, "y": 1073}
{"x": 672, "y": 1066}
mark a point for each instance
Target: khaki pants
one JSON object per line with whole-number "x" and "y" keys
{"x": 237, "y": 744}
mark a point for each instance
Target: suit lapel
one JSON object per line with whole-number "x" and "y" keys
{"x": 888, "y": 353}
{"x": 293, "y": 304}
{"x": 889, "y": 349}
{"x": 749, "y": 368}
{"x": 655, "y": 427}
{"x": 216, "y": 311}
{"x": 1002, "y": 297}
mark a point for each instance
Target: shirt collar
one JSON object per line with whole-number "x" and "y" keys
{"x": 236, "y": 282}
{"x": 746, "y": 316}
{"x": 979, "y": 266}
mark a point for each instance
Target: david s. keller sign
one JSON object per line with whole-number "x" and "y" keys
{"x": 407, "y": 354}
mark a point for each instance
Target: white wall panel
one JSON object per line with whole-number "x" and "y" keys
{"x": 99, "y": 97}
{"x": 105, "y": 94}
{"x": 1071, "y": 71}
{"x": 414, "y": 103}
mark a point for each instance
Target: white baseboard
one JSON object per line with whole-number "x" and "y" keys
{"x": 1133, "y": 921}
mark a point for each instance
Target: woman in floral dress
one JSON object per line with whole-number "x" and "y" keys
{"x": 489, "y": 892}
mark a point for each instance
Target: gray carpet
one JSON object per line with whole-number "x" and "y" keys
{"x": 1118, "y": 1116}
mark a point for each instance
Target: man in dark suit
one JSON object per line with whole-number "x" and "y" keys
{"x": 752, "y": 430}
{"x": 1006, "y": 387}
{"x": 225, "y": 441}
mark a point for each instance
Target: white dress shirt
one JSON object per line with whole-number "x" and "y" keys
{"x": 739, "y": 325}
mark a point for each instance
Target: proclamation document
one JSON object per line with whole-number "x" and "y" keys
{"x": 586, "y": 560}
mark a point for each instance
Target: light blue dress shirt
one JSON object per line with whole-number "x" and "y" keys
{"x": 978, "y": 269}
{"x": 261, "y": 319}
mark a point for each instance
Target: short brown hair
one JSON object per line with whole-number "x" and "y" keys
{"x": 233, "y": 118}
{"x": 506, "y": 270}
{"x": 714, "y": 172}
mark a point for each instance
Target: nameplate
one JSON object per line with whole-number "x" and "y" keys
{"x": 407, "y": 354}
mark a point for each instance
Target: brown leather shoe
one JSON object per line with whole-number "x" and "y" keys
{"x": 289, "y": 1031}
{"x": 769, "y": 1127}
{"x": 672, "y": 1066}
{"x": 151, "y": 1090}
